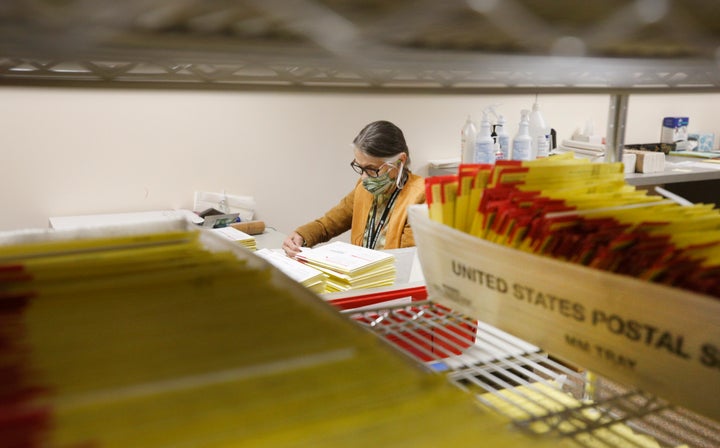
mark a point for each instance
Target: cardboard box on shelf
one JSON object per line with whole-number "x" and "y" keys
{"x": 660, "y": 339}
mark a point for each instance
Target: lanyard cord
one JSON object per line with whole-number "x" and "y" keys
{"x": 374, "y": 232}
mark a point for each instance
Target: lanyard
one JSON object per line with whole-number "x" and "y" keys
{"x": 374, "y": 232}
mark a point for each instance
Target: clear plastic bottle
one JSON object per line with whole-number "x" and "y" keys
{"x": 539, "y": 133}
{"x": 484, "y": 152}
{"x": 503, "y": 139}
{"x": 467, "y": 141}
{"x": 498, "y": 152}
{"x": 522, "y": 143}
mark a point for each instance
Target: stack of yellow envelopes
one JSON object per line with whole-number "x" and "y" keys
{"x": 153, "y": 340}
{"x": 302, "y": 273}
{"x": 351, "y": 267}
{"x": 238, "y": 236}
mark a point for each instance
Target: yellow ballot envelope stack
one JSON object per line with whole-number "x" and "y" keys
{"x": 302, "y": 273}
{"x": 564, "y": 254}
{"x": 157, "y": 336}
{"x": 583, "y": 212}
{"x": 441, "y": 193}
{"x": 238, "y": 236}
{"x": 348, "y": 266}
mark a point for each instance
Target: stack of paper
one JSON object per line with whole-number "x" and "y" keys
{"x": 596, "y": 153}
{"x": 351, "y": 267}
{"x": 237, "y": 236}
{"x": 306, "y": 275}
{"x": 582, "y": 149}
{"x": 648, "y": 161}
{"x": 153, "y": 340}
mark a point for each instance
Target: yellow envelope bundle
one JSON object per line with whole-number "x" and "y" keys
{"x": 583, "y": 212}
{"x": 176, "y": 337}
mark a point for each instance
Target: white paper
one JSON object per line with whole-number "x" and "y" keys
{"x": 445, "y": 163}
{"x": 232, "y": 234}
{"x": 290, "y": 267}
{"x": 688, "y": 164}
{"x": 343, "y": 257}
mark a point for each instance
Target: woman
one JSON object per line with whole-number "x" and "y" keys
{"x": 375, "y": 211}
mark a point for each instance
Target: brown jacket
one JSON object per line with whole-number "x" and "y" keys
{"x": 352, "y": 214}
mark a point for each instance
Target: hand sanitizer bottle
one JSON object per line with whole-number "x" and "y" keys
{"x": 484, "y": 143}
{"x": 498, "y": 152}
{"x": 522, "y": 142}
{"x": 503, "y": 139}
{"x": 539, "y": 133}
{"x": 467, "y": 141}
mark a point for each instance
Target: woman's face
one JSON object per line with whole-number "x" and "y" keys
{"x": 370, "y": 163}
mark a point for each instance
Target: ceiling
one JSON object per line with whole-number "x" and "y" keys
{"x": 448, "y": 45}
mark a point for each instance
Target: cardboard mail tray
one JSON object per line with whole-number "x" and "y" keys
{"x": 663, "y": 340}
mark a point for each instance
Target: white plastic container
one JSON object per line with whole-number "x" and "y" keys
{"x": 467, "y": 141}
{"x": 539, "y": 133}
{"x": 484, "y": 152}
{"x": 503, "y": 138}
{"x": 522, "y": 143}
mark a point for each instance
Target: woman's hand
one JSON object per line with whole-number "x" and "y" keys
{"x": 292, "y": 244}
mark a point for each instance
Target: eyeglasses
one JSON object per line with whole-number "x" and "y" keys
{"x": 371, "y": 172}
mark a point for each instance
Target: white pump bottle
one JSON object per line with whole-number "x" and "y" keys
{"x": 522, "y": 143}
{"x": 467, "y": 141}
{"x": 539, "y": 133}
{"x": 503, "y": 139}
{"x": 484, "y": 152}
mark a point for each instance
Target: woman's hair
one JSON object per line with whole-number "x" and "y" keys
{"x": 382, "y": 139}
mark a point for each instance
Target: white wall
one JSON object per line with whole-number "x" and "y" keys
{"x": 82, "y": 151}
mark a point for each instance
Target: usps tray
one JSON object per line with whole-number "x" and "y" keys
{"x": 663, "y": 340}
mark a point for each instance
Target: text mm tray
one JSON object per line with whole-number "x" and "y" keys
{"x": 663, "y": 340}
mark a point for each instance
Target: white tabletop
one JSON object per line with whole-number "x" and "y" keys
{"x": 270, "y": 239}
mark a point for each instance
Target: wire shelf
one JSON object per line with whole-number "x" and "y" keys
{"x": 339, "y": 44}
{"x": 539, "y": 394}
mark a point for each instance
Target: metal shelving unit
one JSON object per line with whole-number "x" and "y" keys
{"x": 618, "y": 47}
{"x": 539, "y": 394}
{"x": 404, "y": 45}
{"x": 436, "y": 74}
{"x": 457, "y": 46}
